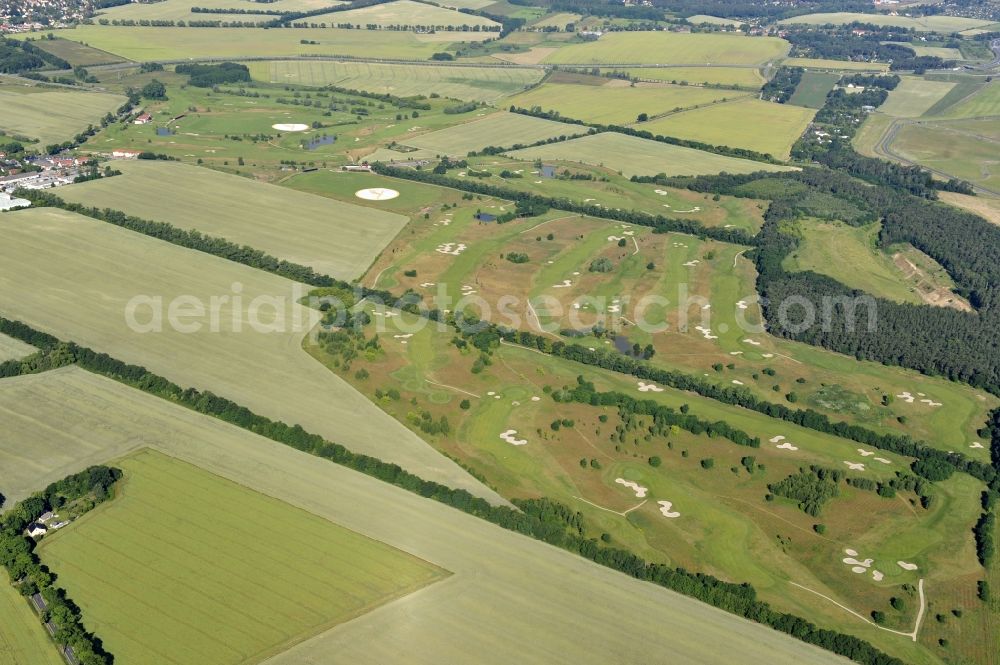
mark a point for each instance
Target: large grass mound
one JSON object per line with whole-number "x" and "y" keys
{"x": 185, "y": 566}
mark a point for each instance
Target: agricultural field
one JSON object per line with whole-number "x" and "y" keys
{"x": 699, "y": 19}
{"x": 747, "y": 123}
{"x": 932, "y": 51}
{"x": 52, "y": 116}
{"x": 741, "y": 76}
{"x": 77, "y": 54}
{"x": 913, "y": 97}
{"x": 616, "y": 102}
{"x": 501, "y": 129}
{"x": 670, "y": 48}
{"x": 944, "y": 24}
{"x": 813, "y": 89}
{"x": 983, "y": 103}
{"x": 987, "y": 207}
{"x": 630, "y": 155}
{"x": 950, "y": 150}
{"x": 850, "y": 255}
{"x": 493, "y": 570}
{"x": 22, "y": 637}
{"x": 484, "y": 84}
{"x": 149, "y": 43}
{"x": 12, "y": 349}
{"x": 409, "y": 13}
{"x": 261, "y": 551}
{"x": 837, "y": 65}
{"x": 333, "y": 238}
{"x": 180, "y": 10}
{"x": 559, "y": 20}
{"x": 234, "y": 330}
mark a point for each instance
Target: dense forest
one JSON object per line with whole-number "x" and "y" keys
{"x": 207, "y": 76}
{"x": 19, "y": 57}
{"x": 861, "y": 42}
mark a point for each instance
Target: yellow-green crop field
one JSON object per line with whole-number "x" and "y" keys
{"x": 746, "y": 123}
{"x": 914, "y": 96}
{"x": 180, "y": 10}
{"x": 250, "y": 352}
{"x": 922, "y": 24}
{"x": 186, "y": 567}
{"x": 984, "y": 103}
{"x": 616, "y": 102}
{"x": 479, "y": 84}
{"x": 494, "y": 571}
{"x": 670, "y": 48}
{"x": 498, "y": 129}
{"x": 77, "y": 54}
{"x": 631, "y": 155}
{"x": 406, "y": 12}
{"x": 333, "y": 238}
{"x": 151, "y": 43}
{"x": 847, "y": 65}
{"x": 22, "y": 638}
{"x": 11, "y": 349}
{"x": 52, "y": 116}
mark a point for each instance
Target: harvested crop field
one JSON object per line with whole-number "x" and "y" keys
{"x": 635, "y": 156}
{"x": 409, "y": 13}
{"x": 22, "y": 638}
{"x": 747, "y": 123}
{"x": 915, "y": 96}
{"x": 671, "y": 48}
{"x": 742, "y": 76}
{"x": 479, "y": 84}
{"x": 248, "y": 351}
{"x": 617, "y": 103}
{"x": 12, "y": 349}
{"x": 53, "y": 116}
{"x": 494, "y": 570}
{"x": 499, "y": 129}
{"x": 944, "y": 24}
{"x": 76, "y": 53}
{"x": 334, "y": 238}
{"x": 207, "y": 572}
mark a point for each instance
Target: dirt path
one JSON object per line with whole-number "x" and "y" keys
{"x": 916, "y": 626}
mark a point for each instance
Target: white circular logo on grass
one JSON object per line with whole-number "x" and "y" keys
{"x": 290, "y": 127}
{"x": 376, "y": 194}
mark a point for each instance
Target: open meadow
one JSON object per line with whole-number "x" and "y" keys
{"x": 410, "y": 13}
{"x": 333, "y": 238}
{"x": 985, "y": 102}
{"x": 159, "y": 43}
{"x": 235, "y": 597}
{"x": 745, "y": 123}
{"x": 493, "y": 570}
{"x": 670, "y": 48}
{"x": 245, "y": 345}
{"x": 913, "y": 97}
{"x": 615, "y": 102}
{"x": 479, "y": 84}
{"x": 52, "y": 116}
{"x": 944, "y": 24}
{"x": 631, "y": 155}
{"x": 951, "y": 150}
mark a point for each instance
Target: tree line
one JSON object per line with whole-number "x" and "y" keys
{"x": 543, "y": 519}
{"x": 30, "y": 577}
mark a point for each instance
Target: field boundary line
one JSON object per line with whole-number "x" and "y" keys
{"x": 912, "y": 634}
{"x": 615, "y": 512}
{"x": 445, "y": 385}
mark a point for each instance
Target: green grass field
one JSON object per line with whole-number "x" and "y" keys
{"x": 148, "y": 43}
{"x": 77, "y": 54}
{"x": 742, "y": 76}
{"x": 254, "y": 357}
{"x": 495, "y": 570}
{"x": 914, "y": 97}
{"x": 748, "y": 123}
{"x": 333, "y": 238}
{"x": 635, "y": 156}
{"x": 11, "y": 349}
{"x": 952, "y": 150}
{"x": 180, "y": 10}
{"x": 53, "y": 116}
{"x": 407, "y": 12}
{"x": 484, "y": 84}
{"x": 22, "y": 638}
{"x": 932, "y": 51}
{"x": 559, "y": 20}
{"x": 498, "y": 129}
{"x": 849, "y": 255}
{"x": 670, "y": 48}
{"x": 944, "y": 24}
{"x": 837, "y": 65}
{"x": 984, "y": 103}
{"x": 187, "y": 567}
{"x": 813, "y": 88}
{"x": 616, "y": 102}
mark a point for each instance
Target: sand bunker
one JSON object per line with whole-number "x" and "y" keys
{"x": 649, "y": 387}
{"x": 752, "y": 342}
{"x": 787, "y": 446}
{"x": 665, "y": 507}
{"x": 859, "y": 569}
{"x": 906, "y": 397}
{"x": 865, "y": 453}
{"x": 692, "y": 263}
{"x": 778, "y": 438}
{"x": 614, "y": 238}
{"x": 742, "y": 304}
{"x": 883, "y": 460}
{"x": 706, "y": 332}
{"x": 736, "y": 353}
{"x": 877, "y": 576}
{"x": 855, "y": 466}
{"x": 906, "y": 566}
{"x": 451, "y": 248}
{"x": 566, "y": 283}
{"x": 850, "y": 552}
{"x": 738, "y": 382}
{"x": 931, "y": 402}
{"x": 975, "y": 444}
{"x": 661, "y": 192}
{"x": 767, "y": 355}
{"x": 290, "y": 127}
{"x": 509, "y": 437}
{"x": 851, "y": 561}
{"x": 694, "y": 209}
{"x": 406, "y": 336}
{"x": 640, "y": 491}
{"x": 428, "y": 285}
{"x": 376, "y": 194}
{"x": 536, "y": 398}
